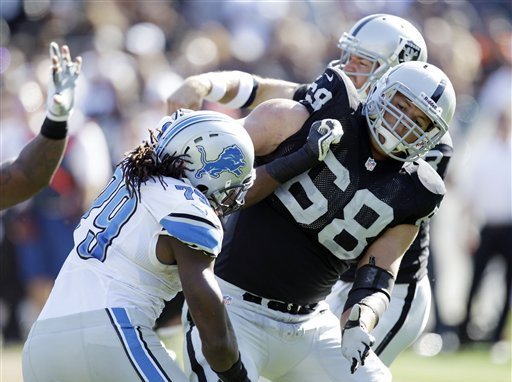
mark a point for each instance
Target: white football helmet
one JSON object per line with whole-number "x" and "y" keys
{"x": 429, "y": 89}
{"x": 386, "y": 41}
{"x": 220, "y": 152}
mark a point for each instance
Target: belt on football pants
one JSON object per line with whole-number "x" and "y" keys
{"x": 280, "y": 306}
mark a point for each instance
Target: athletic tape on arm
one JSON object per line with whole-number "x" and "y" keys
{"x": 218, "y": 90}
{"x": 245, "y": 87}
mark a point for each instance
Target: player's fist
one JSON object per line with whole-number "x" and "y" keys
{"x": 189, "y": 95}
{"x": 356, "y": 341}
{"x": 322, "y": 135}
{"x": 61, "y": 87}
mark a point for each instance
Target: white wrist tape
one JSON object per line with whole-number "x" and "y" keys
{"x": 245, "y": 86}
{"x": 218, "y": 90}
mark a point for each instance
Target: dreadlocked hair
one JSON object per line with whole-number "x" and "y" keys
{"x": 142, "y": 164}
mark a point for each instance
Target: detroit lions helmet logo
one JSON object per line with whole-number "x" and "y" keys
{"x": 230, "y": 159}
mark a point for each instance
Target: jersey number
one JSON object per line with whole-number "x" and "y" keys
{"x": 115, "y": 209}
{"x": 317, "y": 97}
{"x": 355, "y": 236}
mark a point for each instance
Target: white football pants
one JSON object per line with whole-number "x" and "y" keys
{"x": 282, "y": 347}
{"x": 104, "y": 345}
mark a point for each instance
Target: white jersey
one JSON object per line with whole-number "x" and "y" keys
{"x": 114, "y": 263}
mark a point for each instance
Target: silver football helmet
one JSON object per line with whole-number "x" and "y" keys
{"x": 220, "y": 154}
{"x": 386, "y": 41}
{"x": 430, "y": 90}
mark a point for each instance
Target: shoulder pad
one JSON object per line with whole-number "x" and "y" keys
{"x": 184, "y": 213}
{"x": 446, "y": 140}
{"x": 195, "y": 225}
{"x": 429, "y": 178}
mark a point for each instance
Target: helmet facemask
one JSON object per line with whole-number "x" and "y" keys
{"x": 229, "y": 199}
{"x": 402, "y": 139}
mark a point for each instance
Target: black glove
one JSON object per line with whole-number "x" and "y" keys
{"x": 322, "y": 135}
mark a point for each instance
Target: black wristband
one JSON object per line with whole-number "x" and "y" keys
{"x": 236, "y": 373}
{"x": 370, "y": 280}
{"x": 53, "y": 129}
{"x": 285, "y": 168}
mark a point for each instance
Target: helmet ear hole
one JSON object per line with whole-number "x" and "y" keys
{"x": 202, "y": 188}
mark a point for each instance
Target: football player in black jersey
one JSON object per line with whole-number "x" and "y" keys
{"x": 362, "y": 204}
{"x": 375, "y": 43}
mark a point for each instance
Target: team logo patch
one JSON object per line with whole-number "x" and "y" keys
{"x": 231, "y": 159}
{"x": 227, "y": 300}
{"x": 410, "y": 52}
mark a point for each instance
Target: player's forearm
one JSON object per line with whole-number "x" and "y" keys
{"x": 205, "y": 304}
{"x": 233, "y": 89}
{"x": 237, "y": 89}
{"x": 270, "y": 88}
{"x": 32, "y": 170}
{"x": 41, "y": 157}
{"x": 263, "y": 186}
{"x": 220, "y": 349}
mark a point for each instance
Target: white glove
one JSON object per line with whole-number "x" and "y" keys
{"x": 356, "y": 341}
{"x": 61, "y": 87}
{"x": 322, "y": 135}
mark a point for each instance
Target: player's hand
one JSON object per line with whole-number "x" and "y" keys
{"x": 189, "y": 95}
{"x": 356, "y": 341}
{"x": 322, "y": 135}
{"x": 61, "y": 87}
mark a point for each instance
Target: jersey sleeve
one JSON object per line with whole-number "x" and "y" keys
{"x": 300, "y": 92}
{"x": 185, "y": 214}
{"x": 333, "y": 86}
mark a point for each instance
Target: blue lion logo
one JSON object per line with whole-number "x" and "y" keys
{"x": 230, "y": 159}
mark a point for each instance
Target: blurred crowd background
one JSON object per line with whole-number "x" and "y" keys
{"x": 135, "y": 53}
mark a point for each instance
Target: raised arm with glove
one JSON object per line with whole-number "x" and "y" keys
{"x": 34, "y": 167}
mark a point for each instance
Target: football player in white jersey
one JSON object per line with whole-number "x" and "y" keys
{"x": 374, "y": 44}
{"x": 153, "y": 231}
{"x": 33, "y": 169}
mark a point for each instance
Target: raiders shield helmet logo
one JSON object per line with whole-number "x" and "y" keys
{"x": 410, "y": 52}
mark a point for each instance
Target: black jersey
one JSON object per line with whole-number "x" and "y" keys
{"x": 294, "y": 245}
{"x": 414, "y": 263}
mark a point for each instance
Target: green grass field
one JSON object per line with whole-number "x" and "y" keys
{"x": 472, "y": 365}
